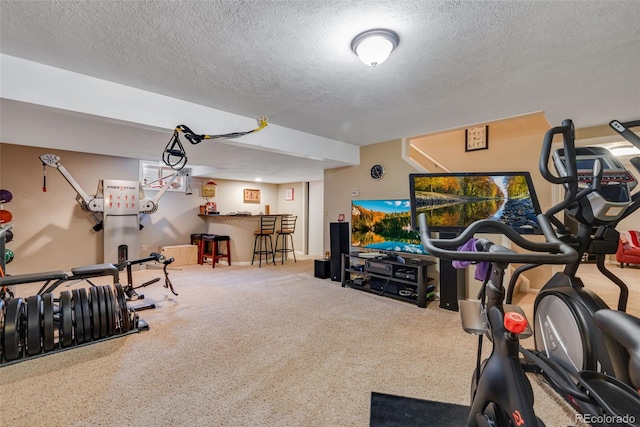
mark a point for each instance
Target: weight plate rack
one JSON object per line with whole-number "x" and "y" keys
{"x": 41, "y": 324}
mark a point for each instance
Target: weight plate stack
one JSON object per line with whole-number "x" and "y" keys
{"x": 33, "y": 337}
{"x": 48, "y": 334}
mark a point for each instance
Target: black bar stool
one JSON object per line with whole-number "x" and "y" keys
{"x": 287, "y": 228}
{"x": 263, "y": 244}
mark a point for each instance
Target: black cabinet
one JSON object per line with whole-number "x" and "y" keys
{"x": 404, "y": 281}
{"x": 340, "y": 244}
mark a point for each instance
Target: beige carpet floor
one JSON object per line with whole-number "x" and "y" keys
{"x": 249, "y": 346}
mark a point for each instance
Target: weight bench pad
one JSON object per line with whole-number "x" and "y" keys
{"x": 32, "y": 277}
{"x": 95, "y": 271}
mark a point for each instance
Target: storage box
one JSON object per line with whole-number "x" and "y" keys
{"x": 182, "y": 254}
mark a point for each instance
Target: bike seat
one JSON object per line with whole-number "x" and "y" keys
{"x": 625, "y": 329}
{"x": 32, "y": 277}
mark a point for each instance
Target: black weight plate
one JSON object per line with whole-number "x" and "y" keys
{"x": 34, "y": 325}
{"x": 78, "y": 320}
{"x": 48, "y": 334}
{"x": 2, "y": 304}
{"x": 95, "y": 312}
{"x": 12, "y": 324}
{"x": 107, "y": 310}
{"x": 86, "y": 315}
{"x": 1, "y": 328}
{"x": 124, "y": 312}
{"x": 111, "y": 312}
{"x": 66, "y": 319}
{"x": 103, "y": 312}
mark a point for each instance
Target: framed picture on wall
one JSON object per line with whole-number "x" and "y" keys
{"x": 476, "y": 138}
{"x": 288, "y": 194}
{"x": 251, "y": 195}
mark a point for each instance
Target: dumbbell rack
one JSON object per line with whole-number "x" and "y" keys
{"x": 42, "y": 324}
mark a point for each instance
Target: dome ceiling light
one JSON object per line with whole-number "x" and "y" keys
{"x": 373, "y": 47}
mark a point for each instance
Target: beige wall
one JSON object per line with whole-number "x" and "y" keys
{"x": 339, "y": 183}
{"x": 53, "y": 233}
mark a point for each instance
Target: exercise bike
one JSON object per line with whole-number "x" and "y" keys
{"x": 501, "y": 393}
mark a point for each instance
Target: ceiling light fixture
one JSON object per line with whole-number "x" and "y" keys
{"x": 373, "y": 47}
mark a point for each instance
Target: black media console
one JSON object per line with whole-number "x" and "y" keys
{"x": 385, "y": 275}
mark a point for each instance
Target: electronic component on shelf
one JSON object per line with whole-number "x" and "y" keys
{"x": 377, "y": 267}
{"x": 405, "y": 273}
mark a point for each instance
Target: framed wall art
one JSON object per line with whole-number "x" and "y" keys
{"x": 251, "y": 195}
{"x": 288, "y": 194}
{"x": 476, "y": 138}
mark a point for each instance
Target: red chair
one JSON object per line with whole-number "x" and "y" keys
{"x": 628, "y": 248}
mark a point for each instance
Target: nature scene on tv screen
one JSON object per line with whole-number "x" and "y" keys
{"x": 384, "y": 225}
{"x": 457, "y": 201}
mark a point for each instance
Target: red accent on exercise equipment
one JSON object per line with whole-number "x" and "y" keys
{"x": 515, "y": 323}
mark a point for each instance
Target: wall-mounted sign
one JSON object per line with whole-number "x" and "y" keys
{"x": 209, "y": 189}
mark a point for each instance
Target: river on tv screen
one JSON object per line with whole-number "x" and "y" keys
{"x": 384, "y": 225}
{"x": 457, "y": 201}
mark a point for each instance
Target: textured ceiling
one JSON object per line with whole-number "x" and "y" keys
{"x": 458, "y": 62}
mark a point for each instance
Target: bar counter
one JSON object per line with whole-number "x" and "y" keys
{"x": 240, "y": 228}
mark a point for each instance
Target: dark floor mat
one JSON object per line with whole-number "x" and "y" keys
{"x": 396, "y": 411}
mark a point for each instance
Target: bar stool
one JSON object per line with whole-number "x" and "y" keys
{"x": 196, "y": 239}
{"x": 215, "y": 255}
{"x": 262, "y": 238}
{"x": 287, "y": 228}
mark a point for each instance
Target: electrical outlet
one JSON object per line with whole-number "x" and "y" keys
{"x": 144, "y": 248}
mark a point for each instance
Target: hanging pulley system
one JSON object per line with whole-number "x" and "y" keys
{"x": 175, "y": 156}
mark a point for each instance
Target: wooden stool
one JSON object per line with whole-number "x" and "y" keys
{"x": 215, "y": 254}
{"x": 196, "y": 239}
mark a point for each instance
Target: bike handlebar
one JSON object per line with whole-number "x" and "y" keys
{"x": 555, "y": 251}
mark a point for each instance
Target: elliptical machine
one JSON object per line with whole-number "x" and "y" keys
{"x": 565, "y": 332}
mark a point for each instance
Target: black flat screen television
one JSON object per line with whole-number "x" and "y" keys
{"x": 452, "y": 201}
{"x": 384, "y": 226}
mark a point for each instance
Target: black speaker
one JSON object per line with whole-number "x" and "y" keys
{"x": 339, "y": 237}
{"x": 452, "y": 283}
{"x": 322, "y": 268}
